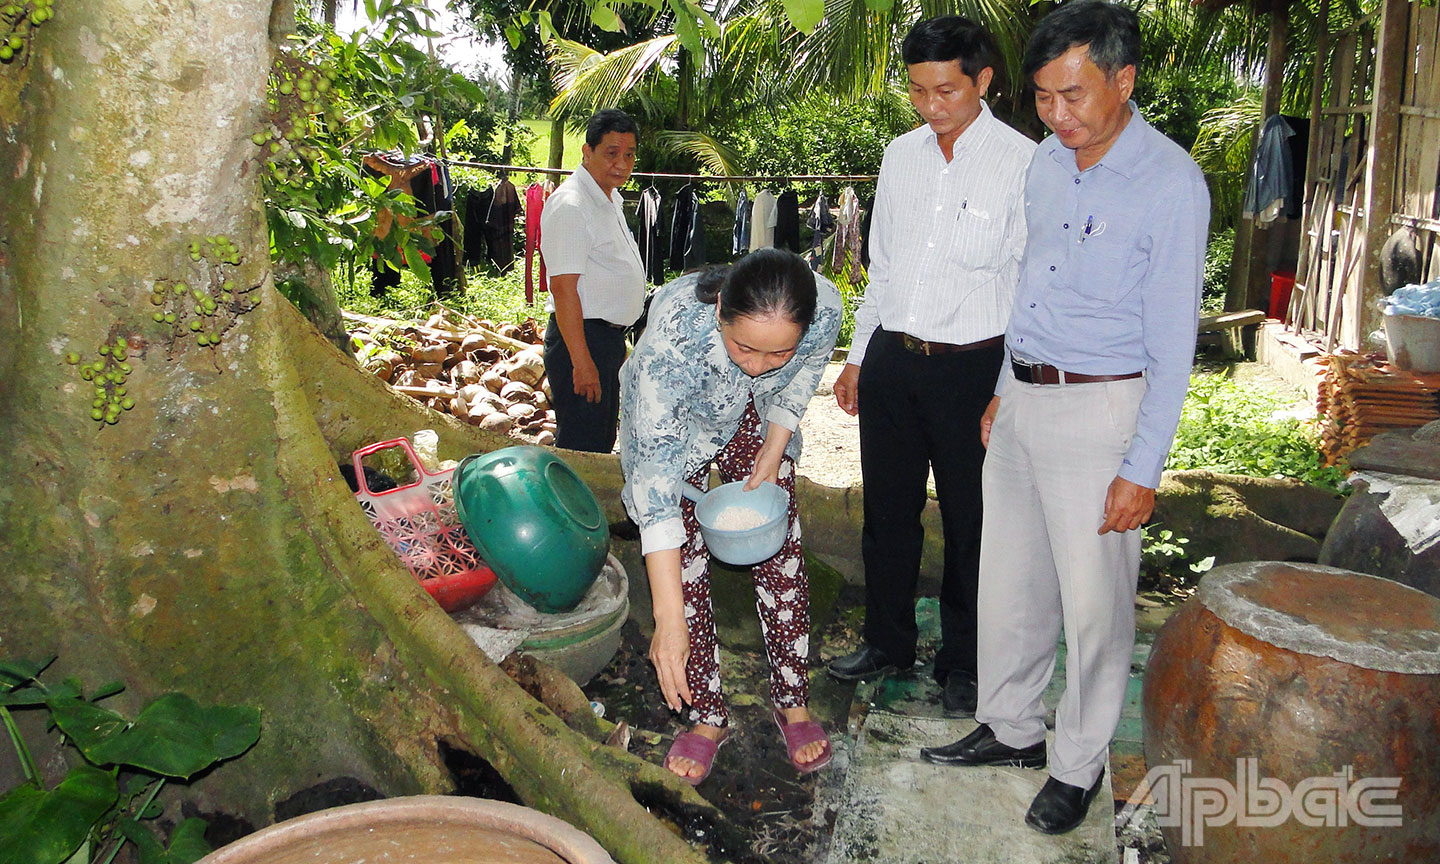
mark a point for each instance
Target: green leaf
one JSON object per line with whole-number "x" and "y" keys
{"x": 149, "y": 849}
{"x": 416, "y": 263}
{"x": 685, "y": 27}
{"x": 547, "y": 29}
{"x": 18, "y": 672}
{"x": 187, "y": 842}
{"x": 172, "y": 737}
{"x": 46, "y": 827}
{"x": 879, "y": 5}
{"x": 605, "y": 18}
{"x": 805, "y": 14}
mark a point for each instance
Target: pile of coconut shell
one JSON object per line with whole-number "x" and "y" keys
{"x": 486, "y": 375}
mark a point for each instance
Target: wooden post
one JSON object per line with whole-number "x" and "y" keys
{"x": 1391, "y": 51}
{"x": 1252, "y": 290}
{"x": 1309, "y": 241}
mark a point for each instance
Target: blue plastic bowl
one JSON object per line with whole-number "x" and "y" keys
{"x": 751, "y": 545}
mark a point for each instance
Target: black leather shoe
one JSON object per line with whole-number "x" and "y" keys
{"x": 864, "y": 662}
{"x": 981, "y": 748}
{"x": 959, "y": 695}
{"x": 1060, "y": 807}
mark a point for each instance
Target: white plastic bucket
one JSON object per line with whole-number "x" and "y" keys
{"x": 1413, "y": 342}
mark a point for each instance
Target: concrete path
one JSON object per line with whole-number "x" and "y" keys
{"x": 894, "y": 808}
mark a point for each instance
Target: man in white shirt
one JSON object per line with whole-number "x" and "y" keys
{"x": 597, "y": 285}
{"x": 948, "y": 231}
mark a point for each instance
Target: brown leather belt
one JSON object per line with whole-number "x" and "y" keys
{"x": 920, "y": 346}
{"x": 1042, "y": 373}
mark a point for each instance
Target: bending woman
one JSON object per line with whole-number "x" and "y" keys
{"x": 722, "y": 375}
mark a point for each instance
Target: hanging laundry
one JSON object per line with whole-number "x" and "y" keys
{"x": 822, "y": 224}
{"x": 762, "y": 221}
{"x": 740, "y": 234}
{"x": 648, "y": 237}
{"x": 500, "y": 225}
{"x": 1271, "y": 174}
{"x": 787, "y": 221}
{"x": 535, "y": 195}
{"x": 687, "y": 237}
{"x": 477, "y": 208}
{"x": 867, "y": 208}
{"x": 847, "y": 233}
{"x": 428, "y": 182}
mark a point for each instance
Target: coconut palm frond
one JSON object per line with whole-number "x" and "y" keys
{"x": 854, "y": 50}
{"x": 587, "y": 80}
{"x": 713, "y": 156}
{"x": 1222, "y": 150}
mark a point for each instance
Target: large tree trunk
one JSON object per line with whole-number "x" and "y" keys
{"x": 204, "y": 541}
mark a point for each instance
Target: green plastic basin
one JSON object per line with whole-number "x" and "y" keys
{"x": 535, "y": 522}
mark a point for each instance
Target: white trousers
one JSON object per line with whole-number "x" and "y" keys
{"x": 1054, "y": 450}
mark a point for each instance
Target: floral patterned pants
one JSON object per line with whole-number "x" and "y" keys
{"x": 782, "y": 592}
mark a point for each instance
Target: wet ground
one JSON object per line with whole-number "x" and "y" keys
{"x": 792, "y": 819}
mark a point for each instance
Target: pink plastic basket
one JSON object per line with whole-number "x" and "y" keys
{"x": 418, "y": 522}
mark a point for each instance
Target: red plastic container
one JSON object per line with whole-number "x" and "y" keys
{"x": 1282, "y": 282}
{"x": 418, "y": 521}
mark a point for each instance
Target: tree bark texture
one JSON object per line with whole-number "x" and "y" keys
{"x": 205, "y": 542}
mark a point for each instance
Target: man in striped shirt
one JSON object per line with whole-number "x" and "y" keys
{"x": 947, "y": 236}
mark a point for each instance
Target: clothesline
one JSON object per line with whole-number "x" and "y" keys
{"x": 749, "y": 178}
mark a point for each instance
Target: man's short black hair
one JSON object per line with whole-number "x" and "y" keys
{"x": 1111, "y": 32}
{"x": 946, "y": 38}
{"x": 604, "y": 122}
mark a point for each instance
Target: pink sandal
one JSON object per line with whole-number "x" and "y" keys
{"x": 698, "y": 749}
{"x": 799, "y": 735}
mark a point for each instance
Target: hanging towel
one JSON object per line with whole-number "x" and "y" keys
{"x": 787, "y": 221}
{"x": 535, "y": 195}
{"x": 740, "y": 234}
{"x": 648, "y": 238}
{"x": 847, "y": 233}
{"x": 762, "y": 221}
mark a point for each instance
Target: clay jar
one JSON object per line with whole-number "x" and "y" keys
{"x": 1292, "y": 714}
{"x": 423, "y": 829}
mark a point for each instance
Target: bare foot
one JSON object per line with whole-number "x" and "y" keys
{"x": 812, "y": 751}
{"x": 689, "y": 767}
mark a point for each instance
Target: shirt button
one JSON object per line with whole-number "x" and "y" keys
{"x": 1066, "y": 226}
{"x": 1032, "y": 305}
{"x": 1020, "y": 339}
{"x": 1077, "y": 181}
{"x": 932, "y": 246}
{"x": 1052, "y": 268}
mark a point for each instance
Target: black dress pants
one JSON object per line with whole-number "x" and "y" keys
{"x": 919, "y": 413}
{"x": 580, "y": 424}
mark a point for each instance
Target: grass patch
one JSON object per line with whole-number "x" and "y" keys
{"x": 1247, "y": 429}
{"x": 498, "y": 298}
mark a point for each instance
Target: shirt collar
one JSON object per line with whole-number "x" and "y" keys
{"x": 973, "y": 133}
{"x": 592, "y": 189}
{"x": 1123, "y": 155}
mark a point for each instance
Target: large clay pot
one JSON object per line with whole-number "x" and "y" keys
{"x": 425, "y": 829}
{"x": 1277, "y": 673}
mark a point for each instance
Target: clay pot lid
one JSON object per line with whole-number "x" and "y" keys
{"x": 1323, "y": 611}
{"x": 434, "y": 829}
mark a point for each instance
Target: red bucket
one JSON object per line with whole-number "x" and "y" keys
{"x": 1282, "y": 282}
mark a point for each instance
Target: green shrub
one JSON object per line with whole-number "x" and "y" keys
{"x": 1237, "y": 429}
{"x": 1218, "y": 255}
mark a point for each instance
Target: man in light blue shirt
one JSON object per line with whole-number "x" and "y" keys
{"x": 1100, "y": 344}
